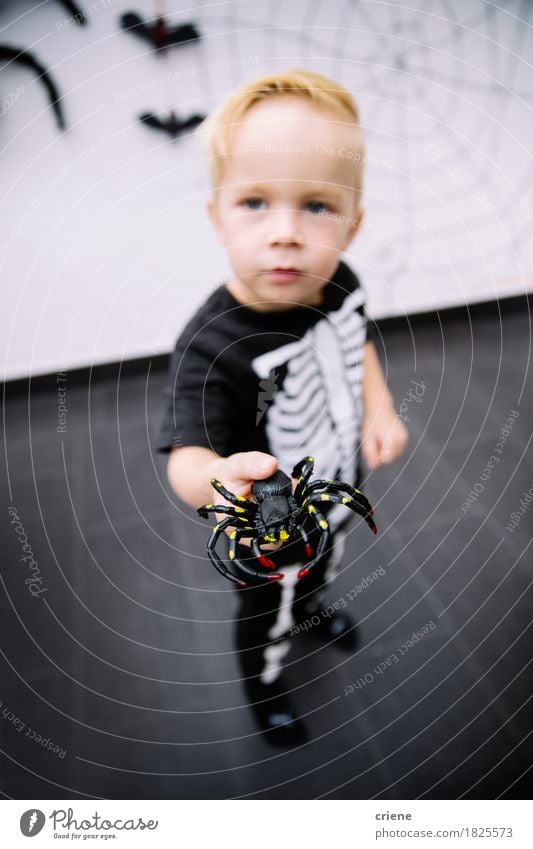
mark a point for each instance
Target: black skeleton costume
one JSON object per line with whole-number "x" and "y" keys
{"x": 287, "y": 383}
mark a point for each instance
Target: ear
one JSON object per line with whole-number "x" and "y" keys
{"x": 213, "y": 214}
{"x": 354, "y": 226}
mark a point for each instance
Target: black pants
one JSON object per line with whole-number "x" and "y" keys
{"x": 267, "y": 614}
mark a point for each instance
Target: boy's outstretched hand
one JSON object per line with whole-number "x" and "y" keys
{"x": 238, "y": 471}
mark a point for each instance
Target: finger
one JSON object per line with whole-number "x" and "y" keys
{"x": 248, "y": 466}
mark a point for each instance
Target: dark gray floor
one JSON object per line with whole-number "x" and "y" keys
{"x": 125, "y": 661}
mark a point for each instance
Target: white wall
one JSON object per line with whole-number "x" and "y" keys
{"x": 105, "y": 249}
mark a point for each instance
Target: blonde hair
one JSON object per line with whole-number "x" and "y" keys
{"x": 217, "y": 130}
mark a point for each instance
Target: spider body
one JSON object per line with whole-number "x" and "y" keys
{"x": 277, "y": 515}
{"x": 276, "y": 507}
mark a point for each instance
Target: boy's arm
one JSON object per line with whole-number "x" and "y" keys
{"x": 190, "y": 469}
{"x": 375, "y": 391}
{"x": 383, "y": 434}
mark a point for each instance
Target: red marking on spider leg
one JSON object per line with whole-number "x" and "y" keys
{"x": 308, "y": 550}
{"x": 303, "y": 572}
{"x": 265, "y": 561}
{"x": 243, "y": 584}
{"x": 276, "y": 577}
{"x": 375, "y": 529}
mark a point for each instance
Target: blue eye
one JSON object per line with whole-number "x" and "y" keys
{"x": 317, "y": 207}
{"x": 253, "y": 203}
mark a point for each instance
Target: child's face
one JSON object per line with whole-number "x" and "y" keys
{"x": 286, "y": 207}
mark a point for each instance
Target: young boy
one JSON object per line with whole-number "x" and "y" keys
{"x": 276, "y": 364}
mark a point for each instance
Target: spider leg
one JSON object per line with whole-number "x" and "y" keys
{"x": 302, "y": 472}
{"x": 258, "y": 554}
{"x": 237, "y": 513}
{"x": 323, "y": 527}
{"x": 307, "y": 544}
{"x": 269, "y": 564}
{"x": 306, "y": 465}
{"x": 213, "y": 556}
{"x": 264, "y": 578}
{"x": 339, "y": 486}
{"x": 359, "y": 504}
{"x": 238, "y": 500}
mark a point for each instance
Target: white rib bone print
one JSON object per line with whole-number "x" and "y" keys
{"x": 318, "y": 408}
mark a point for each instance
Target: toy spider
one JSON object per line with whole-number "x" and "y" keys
{"x": 277, "y": 515}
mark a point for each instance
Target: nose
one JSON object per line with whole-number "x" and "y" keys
{"x": 285, "y": 227}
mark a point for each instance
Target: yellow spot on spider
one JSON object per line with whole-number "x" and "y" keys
{"x": 240, "y": 498}
{"x": 324, "y": 497}
{"x": 242, "y": 518}
{"x": 311, "y": 508}
{"x": 270, "y": 538}
{"x": 215, "y": 528}
{"x": 283, "y": 535}
{"x": 233, "y": 534}
{"x": 310, "y": 459}
{"x": 323, "y": 524}
{"x": 231, "y": 555}
{"x": 359, "y": 491}
{"x": 239, "y": 509}
{"x": 208, "y": 506}
{"x": 346, "y": 500}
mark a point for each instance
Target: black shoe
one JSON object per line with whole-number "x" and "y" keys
{"x": 277, "y": 720}
{"x": 338, "y": 629}
{"x": 282, "y": 727}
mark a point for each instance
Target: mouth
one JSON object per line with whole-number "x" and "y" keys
{"x": 284, "y": 274}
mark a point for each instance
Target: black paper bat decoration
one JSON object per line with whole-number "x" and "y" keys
{"x": 27, "y": 60}
{"x": 171, "y": 124}
{"x": 158, "y": 34}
